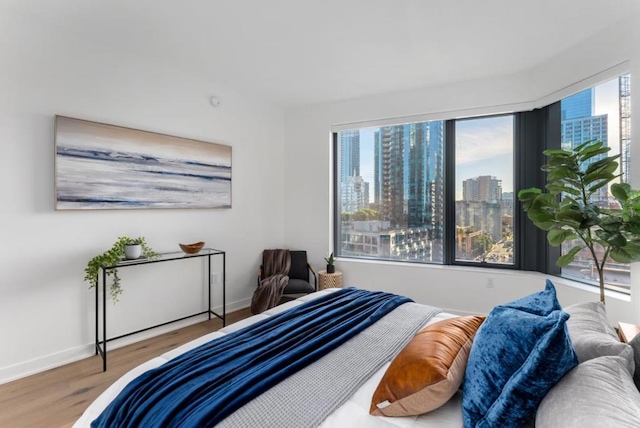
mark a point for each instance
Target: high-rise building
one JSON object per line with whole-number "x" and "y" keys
{"x": 483, "y": 188}
{"x": 435, "y": 178}
{"x": 377, "y": 168}
{"x": 392, "y": 175}
{"x": 482, "y": 216}
{"x": 577, "y": 106}
{"x": 579, "y": 125}
{"x": 349, "y": 154}
{"x": 507, "y": 204}
{"x": 425, "y": 185}
{"x": 355, "y": 194}
{"x": 416, "y": 183}
{"x": 408, "y": 184}
{"x": 576, "y": 131}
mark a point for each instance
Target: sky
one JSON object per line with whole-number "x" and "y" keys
{"x": 485, "y": 146}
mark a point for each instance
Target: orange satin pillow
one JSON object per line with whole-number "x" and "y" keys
{"x": 428, "y": 371}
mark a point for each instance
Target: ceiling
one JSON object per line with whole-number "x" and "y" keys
{"x": 298, "y": 52}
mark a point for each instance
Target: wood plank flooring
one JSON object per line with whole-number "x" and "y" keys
{"x": 57, "y": 397}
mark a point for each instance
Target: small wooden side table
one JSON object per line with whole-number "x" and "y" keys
{"x": 627, "y": 332}
{"x": 329, "y": 280}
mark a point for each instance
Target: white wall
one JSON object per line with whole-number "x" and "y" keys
{"x": 46, "y": 310}
{"x": 307, "y": 136}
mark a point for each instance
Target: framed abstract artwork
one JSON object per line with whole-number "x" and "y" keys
{"x": 100, "y": 166}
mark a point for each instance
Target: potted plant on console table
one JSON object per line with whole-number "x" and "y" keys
{"x": 568, "y": 214}
{"x": 123, "y": 248}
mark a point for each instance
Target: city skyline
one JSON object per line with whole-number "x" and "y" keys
{"x": 475, "y": 157}
{"x": 394, "y": 207}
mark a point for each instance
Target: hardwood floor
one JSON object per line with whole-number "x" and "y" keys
{"x": 57, "y": 397}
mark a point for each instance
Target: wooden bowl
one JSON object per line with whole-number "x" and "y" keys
{"x": 192, "y": 248}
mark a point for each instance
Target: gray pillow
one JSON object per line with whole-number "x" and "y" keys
{"x": 592, "y": 334}
{"x": 595, "y": 394}
{"x": 635, "y": 345}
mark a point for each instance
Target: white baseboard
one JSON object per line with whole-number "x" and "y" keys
{"x": 57, "y": 359}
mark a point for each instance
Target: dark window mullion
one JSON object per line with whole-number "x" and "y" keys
{"x": 536, "y": 131}
{"x": 449, "y": 247}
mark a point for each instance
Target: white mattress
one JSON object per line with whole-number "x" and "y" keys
{"x": 353, "y": 413}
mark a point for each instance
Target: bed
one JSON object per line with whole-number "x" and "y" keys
{"x": 354, "y": 410}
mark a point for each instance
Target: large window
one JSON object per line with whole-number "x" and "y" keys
{"x": 484, "y": 190}
{"x": 446, "y": 191}
{"x": 390, "y": 185}
{"x": 600, "y": 113}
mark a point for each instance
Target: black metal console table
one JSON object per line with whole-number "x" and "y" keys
{"x": 101, "y": 345}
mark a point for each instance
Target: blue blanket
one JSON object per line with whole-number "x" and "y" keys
{"x": 203, "y": 386}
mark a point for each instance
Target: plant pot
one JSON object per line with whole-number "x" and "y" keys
{"x": 331, "y": 268}
{"x": 132, "y": 251}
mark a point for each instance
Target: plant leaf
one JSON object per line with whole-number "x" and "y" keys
{"x": 595, "y": 187}
{"x": 620, "y": 191}
{"x": 557, "y": 152}
{"x": 585, "y": 144}
{"x": 627, "y": 254}
{"x": 529, "y": 193}
{"x": 597, "y": 165}
{"x": 565, "y": 259}
{"x": 539, "y": 216}
{"x": 590, "y": 148}
{"x": 617, "y": 240}
{"x": 558, "y": 236}
{"x": 594, "y": 153}
{"x": 558, "y": 173}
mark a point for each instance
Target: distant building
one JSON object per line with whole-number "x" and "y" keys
{"x": 389, "y": 177}
{"x": 579, "y": 125}
{"x": 349, "y": 154}
{"x": 483, "y": 216}
{"x": 577, "y": 106}
{"x": 375, "y": 239}
{"x": 482, "y": 188}
{"x": 424, "y": 175}
{"x": 408, "y": 186}
{"x": 354, "y": 194}
{"x": 508, "y": 204}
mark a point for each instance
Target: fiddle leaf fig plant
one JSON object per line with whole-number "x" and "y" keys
{"x": 568, "y": 213}
{"x": 112, "y": 257}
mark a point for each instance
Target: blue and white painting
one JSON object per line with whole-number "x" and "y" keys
{"x": 101, "y": 166}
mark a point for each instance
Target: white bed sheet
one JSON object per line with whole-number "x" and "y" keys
{"x": 353, "y": 413}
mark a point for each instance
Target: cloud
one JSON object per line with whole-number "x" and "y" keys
{"x": 481, "y": 139}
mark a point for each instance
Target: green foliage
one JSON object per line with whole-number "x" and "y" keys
{"x": 330, "y": 259}
{"x": 365, "y": 215}
{"x": 483, "y": 243}
{"x": 567, "y": 212}
{"x": 112, "y": 257}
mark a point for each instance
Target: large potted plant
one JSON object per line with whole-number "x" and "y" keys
{"x": 112, "y": 257}
{"x": 568, "y": 213}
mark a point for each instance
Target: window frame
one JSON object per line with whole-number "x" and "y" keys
{"x": 450, "y": 197}
{"x": 535, "y": 130}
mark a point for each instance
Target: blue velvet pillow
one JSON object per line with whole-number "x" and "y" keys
{"x": 518, "y": 354}
{"x": 540, "y": 303}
